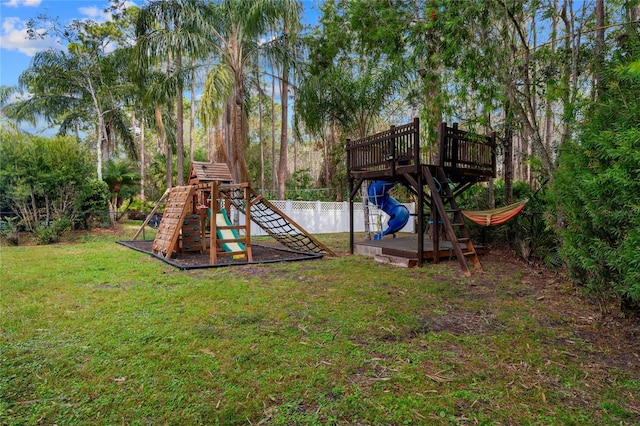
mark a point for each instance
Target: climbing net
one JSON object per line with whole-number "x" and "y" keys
{"x": 275, "y": 223}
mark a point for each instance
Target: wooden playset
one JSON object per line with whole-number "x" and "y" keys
{"x": 395, "y": 156}
{"x": 197, "y": 218}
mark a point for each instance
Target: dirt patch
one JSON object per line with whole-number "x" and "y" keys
{"x": 607, "y": 339}
{"x": 460, "y": 322}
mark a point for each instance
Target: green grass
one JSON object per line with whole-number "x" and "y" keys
{"x": 95, "y": 333}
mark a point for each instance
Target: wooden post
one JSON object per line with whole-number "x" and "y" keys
{"x": 391, "y": 153}
{"x": 350, "y": 177}
{"x": 213, "y": 237}
{"x": 455, "y": 146}
{"x": 416, "y": 148}
{"x": 150, "y": 215}
{"x": 493, "y": 153}
{"x": 420, "y": 212}
{"x": 247, "y": 223}
{"x": 442, "y": 131}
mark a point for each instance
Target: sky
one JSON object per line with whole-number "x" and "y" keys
{"x": 16, "y": 50}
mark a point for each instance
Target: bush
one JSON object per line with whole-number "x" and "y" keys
{"x": 51, "y": 233}
{"x": 137, "y": 209}
{"x": 597, "y": 188}
{"x": 44, "y": 179}
{"x": 93, "y": 203}
{"x": 9, "y": 230}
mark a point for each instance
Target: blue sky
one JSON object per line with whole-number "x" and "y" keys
{"x": 16, "y": 50}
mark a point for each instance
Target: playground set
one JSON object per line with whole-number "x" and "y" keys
{"x": 196, "y": 219}
{"x": 393, "y": 157}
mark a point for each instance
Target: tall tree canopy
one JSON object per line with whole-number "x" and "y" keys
{"x": 75, "y": 87}
{"x": 236, "y": 27}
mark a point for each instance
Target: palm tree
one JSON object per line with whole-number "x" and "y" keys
{"x": 118, "y": 174}
{"x": 76, "y": 87}
{"x": 282, "y": 53}
{"x": 235, "y": 26}
{"x": 5, "y": 124}
{"x": 172, "y": 30}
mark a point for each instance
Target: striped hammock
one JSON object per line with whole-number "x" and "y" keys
{"x": 496, "y": 216}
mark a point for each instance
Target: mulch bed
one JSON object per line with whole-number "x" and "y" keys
{"x": 194, "y": 260}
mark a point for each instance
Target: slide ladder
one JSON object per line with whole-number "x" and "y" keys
{"x": 452, "y": 220}
{"x": 228, "y": 239}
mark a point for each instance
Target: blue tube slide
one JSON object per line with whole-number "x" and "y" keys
{"x": 398, "y": 214}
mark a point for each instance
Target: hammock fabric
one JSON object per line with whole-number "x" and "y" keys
{"x": 496, "y": 216}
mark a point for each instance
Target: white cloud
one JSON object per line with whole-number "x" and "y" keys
{"x": 98, "y": 14}
{"x": 26, "y": 3}
{"x": 94, "y": 13}
{"x": 14, "y": 37}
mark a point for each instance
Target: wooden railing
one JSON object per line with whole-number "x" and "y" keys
{"x": 465, "y": 153}
{"x": 398, "y": 150}
{"x": 384, "y": 151}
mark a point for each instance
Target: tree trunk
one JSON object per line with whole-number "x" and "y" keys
{"x": 100, "y": 132}
{"x": 599, "y": 50}
{"x": 210, "y": 143}
{"x": 227, "y": 151}
{"x": 283, "y": 165}
{"x": 492, "y": 194}
{"x": 274, "y": 183}
{"x": 192, "y": 112}
{"x": 238, "y": 153}
{"x": 165, "y": 144}
{"x": 550, "y": 117}
{"x": 507, "y": 160}
{"x": 295, "y": 136}
{"x": 260, "y": 137}
{"x": 179, "y": 124}
{"x": 365, "y": 210}
{"x": 142, "y": 156}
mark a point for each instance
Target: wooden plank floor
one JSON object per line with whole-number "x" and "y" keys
{"x": 407, "y": 246}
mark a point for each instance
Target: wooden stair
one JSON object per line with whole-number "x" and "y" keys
{"x": 452, "y": 219}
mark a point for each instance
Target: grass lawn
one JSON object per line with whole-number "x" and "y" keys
{"x": 95, "y": 333}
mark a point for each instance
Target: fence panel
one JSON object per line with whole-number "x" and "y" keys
{"x": 324, "y": 217}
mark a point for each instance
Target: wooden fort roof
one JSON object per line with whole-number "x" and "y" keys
{"x": 203, "y": 172}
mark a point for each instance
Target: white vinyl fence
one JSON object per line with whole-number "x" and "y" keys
{"x": 321, "y": 217}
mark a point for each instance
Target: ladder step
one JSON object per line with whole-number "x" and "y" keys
{"x": 463, "y": 240}
{"x": 458, "y": 224}
{"x": 469, "y": 253}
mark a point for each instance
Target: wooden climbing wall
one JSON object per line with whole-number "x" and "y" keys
{"x": 177, "y": 208}
{"x": 192, "y": 235}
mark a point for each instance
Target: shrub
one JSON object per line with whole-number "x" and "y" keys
{"x": 51, "y": 233}
{"x": 93, "y": 203}
{"x": 9, "y": 230}
{"x": 597, "y": 188}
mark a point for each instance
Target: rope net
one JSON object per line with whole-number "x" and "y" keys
{"x": 275, "y": 223}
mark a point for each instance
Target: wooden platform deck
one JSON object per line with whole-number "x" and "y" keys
{"x": 403, "y": 250}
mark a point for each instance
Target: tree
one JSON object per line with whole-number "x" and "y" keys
{"x": 597, "y": 186}
{"x": 172, "y": 30}
{"x": 235, "y": 27}
{"x": 118, "y": 174}
{"x": 6, "y": 125}
{"x": 345, "y": 89}
{"x": 44, "y": 180}
{"x": 78, "y": 86}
